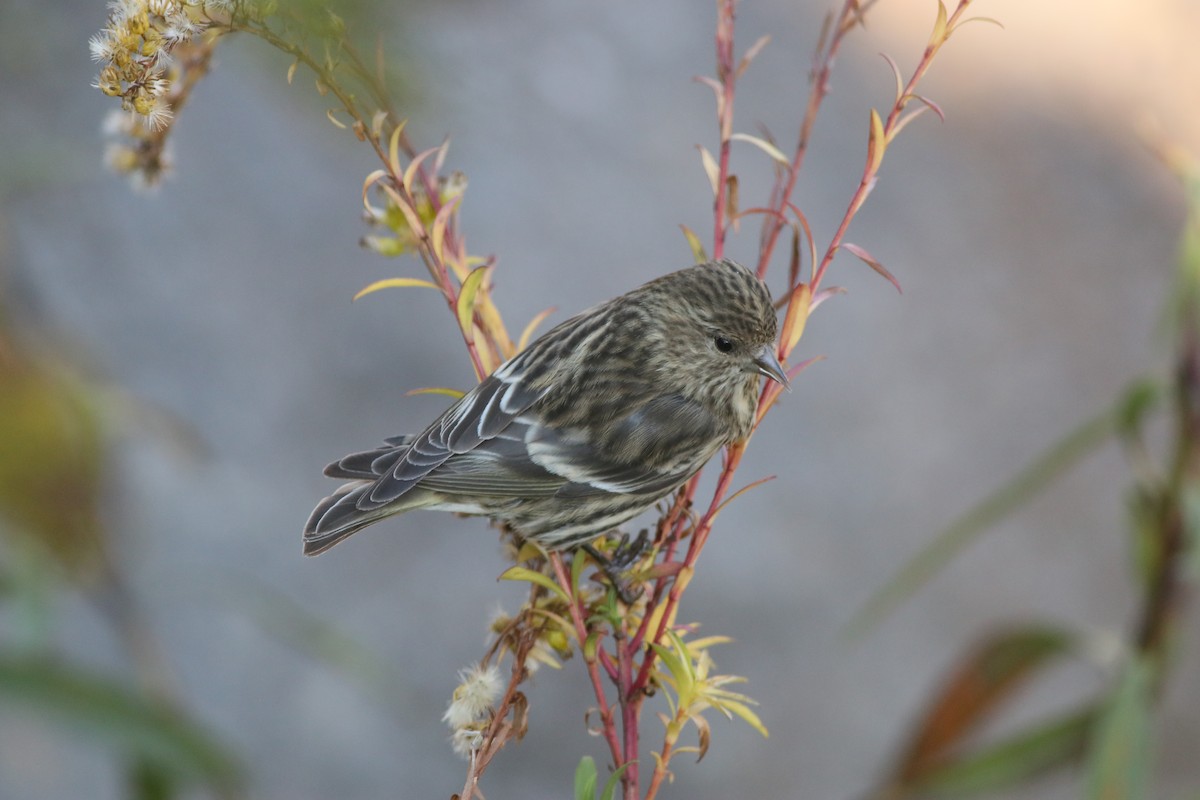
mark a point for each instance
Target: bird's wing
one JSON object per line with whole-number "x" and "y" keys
{"x": 650, "y": 450}
{"x": 479, "y": 416}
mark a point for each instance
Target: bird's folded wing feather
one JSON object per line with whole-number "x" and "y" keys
{"x": 479, "y": 416}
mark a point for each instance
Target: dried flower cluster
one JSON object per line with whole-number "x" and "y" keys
{"x": 151, "y": 53}
{"x": 471, "y": 708}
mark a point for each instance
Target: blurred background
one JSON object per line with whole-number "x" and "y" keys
{"x": 211, "y": 325}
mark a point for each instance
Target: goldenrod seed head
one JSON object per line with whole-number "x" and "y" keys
{"x": 474, "y": 697}
{"x": 138, "y": 24}
{"x": 468, "y": 740}
{"x": 109, "y": 81}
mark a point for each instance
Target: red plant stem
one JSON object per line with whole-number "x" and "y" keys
{"x": 606, "y": 711}
{"x": 660, "y": 772}
{"x": 870, "y": 169}
{"x": 630, "y": 707}
{"x": 728, "y": 77}
{"x": 674, "y": 521}
{"x": 733, "y": 457}
{"x": 852, "y": 10}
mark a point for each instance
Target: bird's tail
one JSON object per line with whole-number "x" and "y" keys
{"x": 338, "y": 516}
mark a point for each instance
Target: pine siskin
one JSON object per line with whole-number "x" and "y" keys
{"x": 587, "y": 427}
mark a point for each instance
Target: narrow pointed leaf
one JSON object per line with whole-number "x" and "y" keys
{"x": 1011, "y": 762}
{"x": 710, "y": 168}
{"x": 747, "y": 714}
{"x": 796, "y": 317}
{"x": 455, "y": 393}
{"x": 896, "y": 74}
{"x": 531, "y": 576}
{"x": 527, "y": 334}
{"x": 329, "y": 113}
{"x": 438, "y": 232}
{"x": 698, "y": 254}
{"x": 395, "y": 283}
{"x": 939, "y": 26}
{"x": 754, "y": 50}
{"x": 762, "y": 144}
{"x": 410, "y": 171}
{"x": 1118, "y": 766}
{"x": 614, "y": 780}
{"x": 871, "y": 262}
{"x": 735, "y": 496}
{"x": 876, "y": 143}
{"x": 466, "y": 298}
{"x": 117, "y": 717}
{"x": 585, "y": 779}
{"x": 985, "y": 677}
{"x": 394, "y": 147}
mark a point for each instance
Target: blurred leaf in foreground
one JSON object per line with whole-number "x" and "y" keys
{"x": 1119, "y": 763}
{"x": 145, "y": 731}
{"x": 983, "y": 680}
{"x": 50, "y": 461}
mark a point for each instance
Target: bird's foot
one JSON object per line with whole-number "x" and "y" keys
{"x": 614, "y": 566}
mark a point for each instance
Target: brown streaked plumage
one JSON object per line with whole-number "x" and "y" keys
{"x": 586, "y": 428}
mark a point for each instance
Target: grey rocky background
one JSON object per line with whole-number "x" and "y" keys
{"x": 1033, "y": 234}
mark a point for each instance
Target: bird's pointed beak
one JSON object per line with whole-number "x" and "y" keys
{"x": 768, "y": 364}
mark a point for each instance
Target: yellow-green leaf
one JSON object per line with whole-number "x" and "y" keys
{"x": 744, "y": 711}
{"x": 394, "y": 283}
{"x": 796, "y": 317}
{"x": 329, "y": 113}
{"x": 455, "y": 393}
{"x": 531, "y": 576}
{"x": 762, "y": 144}
{"x": 710, "y": 168}
{"x": 939, "y": 26}
{"x": 394, "y": 147}
{"x": 578, "y": 562}
{"x": 694, "y": 243}
{"x": 411, "y": 171}
{"x": 876, "y": 144}
{"x": 438, "y": 234}
{"x": 466, "y": 298}
{"x": 527, "y": 334}
{"x": 1120, "y": 750}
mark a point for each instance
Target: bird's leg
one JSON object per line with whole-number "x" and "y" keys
{"x": 625, "y": 555}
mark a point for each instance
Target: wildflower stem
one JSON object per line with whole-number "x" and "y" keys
{"x": 890, "y": 127}
{"x": 851, "y": 14}
{"x": 605, "y": 710}
{"x": 727, "y": 75}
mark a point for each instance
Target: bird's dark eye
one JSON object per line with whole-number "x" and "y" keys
{"x": 723, "y": 343}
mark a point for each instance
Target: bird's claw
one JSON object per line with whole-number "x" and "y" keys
{"x": 623, "y": 557}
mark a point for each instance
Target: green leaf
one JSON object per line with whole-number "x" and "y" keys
{"x": 1015, "y": 760}
{"x": 579, "y": 560}
{"x": 392, "y": 283}
{"x": 746, "y": 713}
{"x": 143, "y": 729}
{"x": 988, "y": 675}
{"x": 466, "y": 298}
{"x": 1119, "y": 762}
{"x": 532, "y": 576}
{"x": 698, "y": 254}
{"x": 610, "y": 786}
{"x": 762, "y": 144}
{"x": 585, "y": 779}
